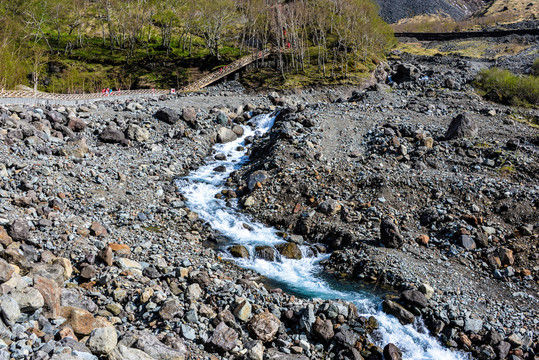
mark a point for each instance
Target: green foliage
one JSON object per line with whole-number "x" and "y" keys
{"x": 150, "y": 43}
{"x": 535, "y": 67}
{"x": 514, "y": 89}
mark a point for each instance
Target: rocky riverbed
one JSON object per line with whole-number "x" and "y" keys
{"x": 102, "y": 259}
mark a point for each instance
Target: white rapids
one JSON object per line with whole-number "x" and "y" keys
{"x": 303, "y": 277}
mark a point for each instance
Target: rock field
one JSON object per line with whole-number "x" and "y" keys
{"x": 101, "y": 258}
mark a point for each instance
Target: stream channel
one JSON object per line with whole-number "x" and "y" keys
{"x": 303, "y": 277}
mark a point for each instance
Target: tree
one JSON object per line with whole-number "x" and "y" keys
{"x": 214, "y": 17}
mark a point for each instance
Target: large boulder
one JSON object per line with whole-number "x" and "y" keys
{"x": 406, "y": 72}
{"x": 463, "y": 125}
{"x": 225, "y": 135}
{"x": 102, "y": 340}
{"x": 189, "y": 115}
{"x": 323, "y": 329}
{"x": 392, "y": 352}
{"x": 137, "y": 133}
{"x": 167, "y": 115}
{"x": 390, "y": 235}
{"x": 19, "y": 230}
{"x": 239, "y": 251}
{"x": 112, "y": 135}
{"x": 151, "y": 345}
{"x": 264, "y": 326}
{"x": 414, "y": 298}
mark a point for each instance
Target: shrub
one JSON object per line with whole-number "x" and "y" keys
{"x": 514, "y": 89}
{"x": 535, "y": 67}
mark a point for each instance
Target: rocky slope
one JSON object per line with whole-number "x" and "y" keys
{"x": 101, "y": 259}
{"x": 422, "y": 186}
{"x": 392, "y": 11}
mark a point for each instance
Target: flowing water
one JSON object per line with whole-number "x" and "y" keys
{"x": 302, "y": 277}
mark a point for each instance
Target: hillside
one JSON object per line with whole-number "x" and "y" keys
{"x": 394, "y": 10}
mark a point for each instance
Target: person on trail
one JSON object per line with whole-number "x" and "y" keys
{"x": 103, "y": 92}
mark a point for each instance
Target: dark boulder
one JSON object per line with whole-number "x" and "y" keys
{"x": 167, "y": 115}
{"x": 463, "y": 125}
{"x": 390, "y": 235}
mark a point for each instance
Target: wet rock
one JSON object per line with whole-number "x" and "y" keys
{"x": 239, "y": 251}
{"x": 392, "y": 352}
{"x": 390, "y": 235}
{"x": 264, "y": 326}
{"x": 463, "y": 125}
{"x": 19, "y": 230}
{"x": 330, "y": 207}
{"x": 403, "y": 315}
{"x": 102, "y": 340}
{"x": 238, "y": 130}
{"x": 224, "y": 338}
{"x": 265, "y": 252}
{"x": 289, "y": 250}
{"x": 167, "y": 115}
{"x": 225, "y": 135}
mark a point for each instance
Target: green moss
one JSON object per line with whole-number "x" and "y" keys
{"x": 155, "y": 229}
{"x": 514, "y": 89}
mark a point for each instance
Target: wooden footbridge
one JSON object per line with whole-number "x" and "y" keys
{"x": 11, "y": 97}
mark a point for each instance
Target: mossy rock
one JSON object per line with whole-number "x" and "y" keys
{"x": 239, "y": 251}
{"x": 265, "y": 253}
{"x": 290, "y": 250}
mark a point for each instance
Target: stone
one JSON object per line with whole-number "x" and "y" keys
{"x": 427, "y": 290}
{"x": 137, "y": 133}
{"x": 79, "y": 319}
{"x": 189, "y": 115}
{"x": 239, "y": 251}
{"x": 346, "y": 338}
{"x": 225, "y": 135}
{"x": 506, "y": 256}
{"x": 224, "y": 338}
{"x": 105, "y": 255}
{"x": 243, "y": 311}
{"x": 151, "y": 345}
{"x": 330, "y": 207}
{"x": 472, "y": 325}
{"x": 19, "y": 230}
{"x": 466, "y": 242}
{"x": 265, "y": 252}
{"x": 392, "y": 308}
{"x": 29, "y": 299}
{"x": 66, "y": 265}
{"x": 167, "y": 115}
{"x": 76, "y": 148}
{"x": 392, "y": 352}
{"x": 112, "y": 135}
{"x": 151, "y": 272}
{"x": 51, "y": 293}
{"x": 238, "y": 130}
{"x": 96, "y": 229}
{"x": 188, "y": 332}
{"x": 170, "y": 309}
{"x": 515, "y": 340}
{"x": 6, "y": 271}
{"x": 128, "y": 264}
{"x": 422, "y": 239}
{"x": 323, "y": 329}
{"x": 255, "y": 350}
{"x": 76, "y": 124}
{"x": 289, "y": 250}
{"x": 414, "y": 298}
{"x": 102, "y": 340}
{"x": 5, "y": 239}
{"x": 264, "y": 326}
{"x": 54, "y": 272}
{"x": 502, "y": 349}
{"x": 307, "y": 318}
{"x": 390, "y": 235}
{"x": 122, "y": 352}
{"x": 194, "y": 292}
{"x": 9, "y": 309}
{"x": 463, "y": 125}
{"x": 257, "y": 177}
{"x": 88, "y": 272}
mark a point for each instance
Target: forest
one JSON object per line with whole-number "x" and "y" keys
{"x": 84, "y": 45}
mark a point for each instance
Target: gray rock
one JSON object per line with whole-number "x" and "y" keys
{"x": 264, "y": 326}
{"x": 255, "y": 350}
{"x": 224, "y": 338}
{"x": 194, "y": 292}
{"x": 137, "y": 133}
{"x": 463, "y": 125}
{"x": 112, "y": 135}
{"x": 259, "y": 176}
{"x": 473, "y": 325}
{"x": 9, "y": 309}
{"x": 330, "y": 207}
{"x": 225, "y": 135}
{"x": 346, "y": 338}
{"x": 391, "y": 352}
{"x": 19, "y": 230}
{"x": 323, "y": 329}
{"x": 29, "y": 299}
{"x": 189, "y": 115}
{"x": 502, "y": 349}
{"x": 307, "y": 319}
{"x": 414, "y": 298}
{"x": 124, "y": 353}
{"x": 102, "y": 340}
{"x": 467, "y": 242}
{"x": 243, "y": 311}
{"x": 149, "y": 344}
{"x": 6, "y": 271}
{"x": 188, "y": 332}
{"x": 167, "y": 115}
